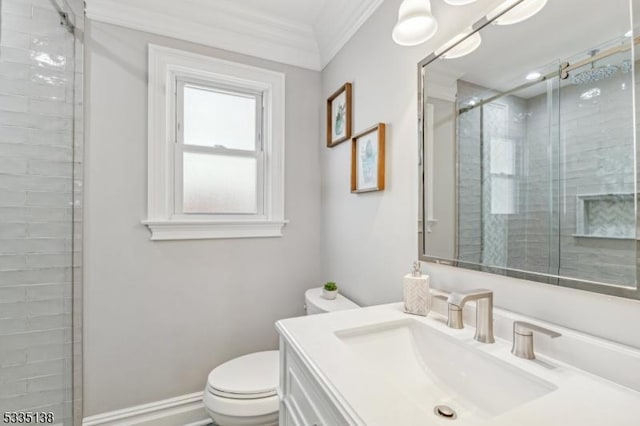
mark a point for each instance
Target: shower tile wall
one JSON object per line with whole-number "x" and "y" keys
{"x": 469, "y": 154}
{"x": 36, "y": 212}
{"x": 537, "y": 184}
{"x": 596, "y": 160}
{"x": 595, "y": 157}
{"x": 517, "y": 240}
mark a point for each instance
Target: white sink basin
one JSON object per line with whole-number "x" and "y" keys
{"x": 437, "y": 369}
{"x": 380, "y": 366}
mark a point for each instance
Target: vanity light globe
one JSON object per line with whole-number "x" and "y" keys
{"x": 465, "y": 47}
{"x": 459, "y": 2}
{"x": 415, "y": 23}
{"x": 519, "y": 13}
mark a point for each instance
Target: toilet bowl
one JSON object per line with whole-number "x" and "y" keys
{"x": 242, "y": 391}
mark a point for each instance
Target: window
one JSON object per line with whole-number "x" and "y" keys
{"x": 216, "y": 148}
{"x": 502, "y": 168}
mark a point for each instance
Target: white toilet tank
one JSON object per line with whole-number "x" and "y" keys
{"x": 314, "y": 303}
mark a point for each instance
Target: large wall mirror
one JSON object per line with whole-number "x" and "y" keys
{"x": 529, "y": 163}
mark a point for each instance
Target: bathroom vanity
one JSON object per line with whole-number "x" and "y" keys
{"x": 528, "y": 169}
{"x": 380, "y": 366}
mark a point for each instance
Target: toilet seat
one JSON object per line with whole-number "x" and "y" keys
{"x": 230, "y": 395}
{"x": 244, "y": 388}
{"x": 250, "y": 376}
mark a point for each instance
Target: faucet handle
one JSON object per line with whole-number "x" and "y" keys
{"x": 526, "y": 329}
{"x": 454, "y": 313}
{"x": 523, "y": 338}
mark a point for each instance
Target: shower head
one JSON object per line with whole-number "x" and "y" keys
{"x": 594, "y": 74}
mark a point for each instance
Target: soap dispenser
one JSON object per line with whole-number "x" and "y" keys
{"x": 416, "y": 291}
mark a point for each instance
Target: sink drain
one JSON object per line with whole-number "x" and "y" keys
{"x": 445, "y": 412}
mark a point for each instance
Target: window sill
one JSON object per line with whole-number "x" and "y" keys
{"x": 205, "y": 230}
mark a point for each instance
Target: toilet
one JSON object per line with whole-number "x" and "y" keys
{"x": 242, "y": 391}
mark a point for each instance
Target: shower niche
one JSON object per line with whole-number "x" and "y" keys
{"x": 606, "y": 216}
{"x": 528, "y": 149}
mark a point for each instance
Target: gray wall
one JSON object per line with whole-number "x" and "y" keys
{"x": 160, "y": 315}
{"x": 371, "y": 239}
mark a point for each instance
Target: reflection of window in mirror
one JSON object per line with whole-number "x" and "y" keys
{"x": 502, "y": 169}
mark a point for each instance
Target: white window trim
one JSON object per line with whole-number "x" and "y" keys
{"x": 165, "y": 66}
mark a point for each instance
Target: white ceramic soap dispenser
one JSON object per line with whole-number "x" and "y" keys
{"x": 416, "y": 291}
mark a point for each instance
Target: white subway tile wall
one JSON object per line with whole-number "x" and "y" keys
{"x": 40, "y": 232}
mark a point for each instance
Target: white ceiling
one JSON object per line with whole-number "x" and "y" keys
{"x": 305, "y": 33}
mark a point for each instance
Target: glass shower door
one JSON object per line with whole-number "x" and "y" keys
{"x": 505, "y": 175}
{"x": 597, "y": 167}
{"x": 38, "y": 102}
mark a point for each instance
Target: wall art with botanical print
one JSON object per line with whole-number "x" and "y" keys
{"x": 367, "y": 159}
{"x": 339, "y": 116}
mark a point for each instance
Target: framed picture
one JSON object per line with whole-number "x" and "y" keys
{"x": 367, "y": 160}
{"x": 339, "y": 116}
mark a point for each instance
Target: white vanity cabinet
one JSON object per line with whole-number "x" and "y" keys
{"x": 303, "y": 401}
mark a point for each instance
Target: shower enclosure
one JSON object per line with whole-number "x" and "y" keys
{"x": 40, "y": 210}
{"x": 554, "y": 190}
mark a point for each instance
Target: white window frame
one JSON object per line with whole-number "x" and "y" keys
{"x": 168, "y": 67}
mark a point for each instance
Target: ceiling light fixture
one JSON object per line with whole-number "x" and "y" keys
{"x": 465, "y": 46}
{"x": 415, "y": 23}
{"x": 534, "y": 75}
{"x": 629, "y": 34}
{"x": 519, "y": 13}
{"x": 590, "y": 94}
{"x": 459, "y": 2}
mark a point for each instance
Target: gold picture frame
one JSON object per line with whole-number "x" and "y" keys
{"x": 368, "y": 160}
{"x": 339, "y": 116}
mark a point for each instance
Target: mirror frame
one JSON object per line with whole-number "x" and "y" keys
{"x": 557, "y": 280}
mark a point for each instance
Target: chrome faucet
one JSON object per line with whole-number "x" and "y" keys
{"x": 484, "y": 312}
{"x": 523, "y": 338}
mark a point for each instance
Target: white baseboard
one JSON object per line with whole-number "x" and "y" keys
{"x": 186, "y": 410}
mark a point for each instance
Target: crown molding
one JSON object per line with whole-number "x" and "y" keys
{"x": 235, "y": 30}
{"x": 333, "y": 33}
{"x": 227, "y": 25}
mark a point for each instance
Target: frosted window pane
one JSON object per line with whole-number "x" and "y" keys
{"x": 219, "y": 119}
{"x": 502, "y": 195}
{"x": 219, "y": 184}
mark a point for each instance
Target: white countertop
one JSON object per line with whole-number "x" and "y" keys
{"x": 581, "y": 398}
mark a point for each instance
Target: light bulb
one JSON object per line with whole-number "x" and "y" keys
{"x": 415, "y": 23}
{"x": 534, "y": 75}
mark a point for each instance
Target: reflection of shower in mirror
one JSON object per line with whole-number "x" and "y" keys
{"x": 599, "y": 73}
